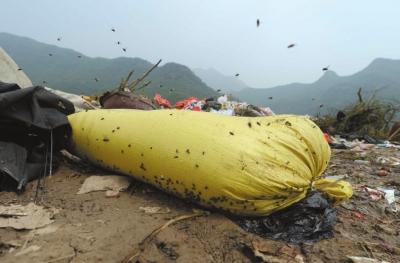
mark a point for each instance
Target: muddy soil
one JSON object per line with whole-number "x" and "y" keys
{"x": 95, "y": 228}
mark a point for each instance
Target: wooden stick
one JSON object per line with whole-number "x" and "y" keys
{"x": 359, "y": 95}
{"x": 124, "y": 82}
{"x": 90, "y": 105}
{"x": 136, "y": 82}
{"x": 142, "y": 245}
{"x": 61, "y": 258}
{"x": 394, "y": 134}
{"x": 144, "y": 85}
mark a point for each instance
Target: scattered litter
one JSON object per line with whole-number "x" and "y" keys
{"x": 154, "y": 210}
{"x": 162, "y": 101}
{"x": 112, "y": 194}
{"x": 389, "y": 195}
{"x": 383, "y": 173}
{"x": 191, "y": 103}
{"x": 379, "y": 193}
{"x": 103, "y": 183}
{"x": 364, "y": 162}
{"x": 223, "y": 106}
{"x": 327, "y": 138}
{"x": 359, "y": 215}
{"x": 268, "y": 111}
{"x": 227, "y": 112}
{"x": 337, "y": 177}
{"x": 375, "y": 195}
{"x": 390, "y": 198}
{"x": 269, "y": 251}
{"x": 365, "y": 260}
{"x": 359, "y": 146}
{"x": 222, "y": 99}
{"x": 387, "y": 144}
{"x": 79, "y": 102}
{"x": 392, "y": 161}
{"x": 244, "y": 109}
{"x": 30, "y": 216}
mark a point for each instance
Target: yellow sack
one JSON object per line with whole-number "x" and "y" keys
{"x": 247, "y": 166}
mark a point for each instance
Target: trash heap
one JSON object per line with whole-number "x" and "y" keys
{"x": 220, "y": 105}
{"x": 194, "y": 150}
{"x": 363, "y": 149}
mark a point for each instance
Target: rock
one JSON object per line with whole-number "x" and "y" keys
{"x": 383, "y": 173}
{"x": 112, "y": 194}
{"x": 104, "y": 183}
{"x": 365, "y": 260}
{"x": 30, "y": 216}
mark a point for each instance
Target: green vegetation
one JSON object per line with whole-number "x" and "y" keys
{"x": 74, "y": 72}
{"x": 372, "y": 117}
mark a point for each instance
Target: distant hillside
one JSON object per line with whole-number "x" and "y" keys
{"x": 64, "y": 70}
{"x": 217, "y": 80}
{"x": 332, "y": 91}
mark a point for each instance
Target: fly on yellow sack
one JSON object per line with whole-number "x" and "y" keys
{"x": 247, "y": 166}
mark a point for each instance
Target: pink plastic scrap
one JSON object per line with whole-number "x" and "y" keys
{"x": 191, "y": 103}
{"x": 162, "y": 101}
{"x": 375, "y": 195}
{"x": 183, "y": 103}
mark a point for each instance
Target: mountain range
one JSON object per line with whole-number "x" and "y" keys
{"x": 70, "y": 71}
{"x": 218, "y": 81}
{"x": 381, "y": 79}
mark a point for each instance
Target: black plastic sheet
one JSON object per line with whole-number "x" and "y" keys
{"x": 309, "y": 220}
{"x": 33, "y": 122}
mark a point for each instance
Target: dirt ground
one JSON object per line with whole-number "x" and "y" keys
{"x": 94, "y": 228}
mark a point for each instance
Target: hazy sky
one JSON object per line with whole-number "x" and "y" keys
{"x": 222, "y": 34}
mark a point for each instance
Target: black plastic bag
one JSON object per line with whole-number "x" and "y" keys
{"x": 33, "y": 125}
{"x": 311, "y": 219}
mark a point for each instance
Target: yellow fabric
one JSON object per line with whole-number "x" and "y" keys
{"x": 336, "y": 190}
{"x": 248, "y": 166}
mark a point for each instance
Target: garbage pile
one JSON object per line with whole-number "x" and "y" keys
{"x": 221, "y": 105}
{"x": 14, "y": 135}
{"x": 282, "y": 163}
{"x": 362, "y": 129}
{"x": 362, "y": 150}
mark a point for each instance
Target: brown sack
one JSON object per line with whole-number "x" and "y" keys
{"x": 125, "y": 100}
